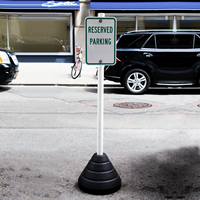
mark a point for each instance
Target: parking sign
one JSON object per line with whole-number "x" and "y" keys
{"x": 100, "y": 40}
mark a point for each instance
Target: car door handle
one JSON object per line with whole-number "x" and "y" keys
{"x": 198, "y": 55}
{"x": 147, "y": 54}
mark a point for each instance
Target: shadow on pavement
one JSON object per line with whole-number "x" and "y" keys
{"x": 156, "y": 91}
{"x": 174, "y": 91}
{"x": 168, "y": 175}
{"x": 109, "y": 90}
{"x": 4, "y": 88}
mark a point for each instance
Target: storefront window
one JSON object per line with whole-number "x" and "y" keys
{"x": 40, "y": 33}
{"x": 155, "y": 22}
{"x": 134, "y": 22}
{"x": 3, "y": 38}
{"x": 125, "y": 22}
{"x": 188, "y": 22}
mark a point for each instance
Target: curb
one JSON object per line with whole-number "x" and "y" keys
{"x": 72, "y": 85}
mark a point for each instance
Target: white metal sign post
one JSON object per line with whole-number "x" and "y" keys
{"x": 100, "y": 102}
{"x": 99, "y": 176}
{"x": 100, "y": 50}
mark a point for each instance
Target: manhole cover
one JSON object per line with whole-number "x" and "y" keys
{"x": 132, "y": 105}
{"x": 198, "y": 105}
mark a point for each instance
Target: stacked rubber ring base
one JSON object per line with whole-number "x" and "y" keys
{"x": 99, "y": 176}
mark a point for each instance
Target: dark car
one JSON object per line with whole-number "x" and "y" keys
{"x": 156, "y": 59}
{"x": 8, "y": 66}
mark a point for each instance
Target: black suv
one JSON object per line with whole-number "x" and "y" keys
{"x": 156, "y": 59}
{"x": 8, "y": 66}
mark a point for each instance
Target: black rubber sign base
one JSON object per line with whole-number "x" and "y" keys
{"x": 99, "y": 176}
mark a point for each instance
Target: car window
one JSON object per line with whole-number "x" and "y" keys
{"x": 132, "y": 41}
{"x": 174, "y": 41}
{"x": 150, "y": 43}
{"x": 197, "y": 42}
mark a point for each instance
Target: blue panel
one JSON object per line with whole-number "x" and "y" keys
{"x": 12, "y": 4}
{"x": 54, "y": 59}
{"x": 145, "y": 6}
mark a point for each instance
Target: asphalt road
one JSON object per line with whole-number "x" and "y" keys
{"x": 48, "y": 135}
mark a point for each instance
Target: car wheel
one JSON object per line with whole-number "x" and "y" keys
{"x": 136, "y": 81}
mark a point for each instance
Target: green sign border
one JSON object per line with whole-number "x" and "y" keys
{"x": 115, "y": 28}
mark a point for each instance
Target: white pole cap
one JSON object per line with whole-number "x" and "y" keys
{"x": 101, "y": 14}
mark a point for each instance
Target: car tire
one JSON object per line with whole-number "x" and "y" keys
{"x": 136, "y": 81}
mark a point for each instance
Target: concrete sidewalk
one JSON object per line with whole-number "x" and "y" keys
{"x": 56, "y": 74}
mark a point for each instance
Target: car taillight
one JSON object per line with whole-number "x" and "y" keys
{"x": 118, "y": 60}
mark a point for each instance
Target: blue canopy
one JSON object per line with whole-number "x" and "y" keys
{"x": 35, "y": 4}
{"x": 145, "y": 5}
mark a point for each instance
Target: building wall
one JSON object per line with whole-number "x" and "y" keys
{"x": 79, "y": 29}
